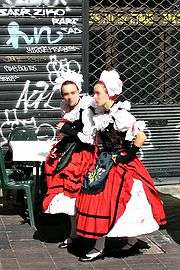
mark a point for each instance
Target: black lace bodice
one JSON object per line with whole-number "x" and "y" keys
{"x": 113, "y": 140}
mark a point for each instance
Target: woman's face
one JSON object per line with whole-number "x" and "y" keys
{"x": 100, "y": 94}
{"x": 70, "y": 94}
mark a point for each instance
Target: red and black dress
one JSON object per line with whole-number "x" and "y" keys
{"x": 123, "y": 202}
{"x": 75, "y": 154}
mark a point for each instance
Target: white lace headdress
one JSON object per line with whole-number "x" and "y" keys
{"x": 112, "y": 82}
{"x": 71, "y": 76}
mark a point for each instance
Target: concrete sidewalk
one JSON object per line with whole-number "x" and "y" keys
{"x": 22, "y": 248}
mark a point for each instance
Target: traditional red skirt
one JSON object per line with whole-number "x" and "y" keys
{"x": 97, "y": 214}
{"x": 69, "y": 180}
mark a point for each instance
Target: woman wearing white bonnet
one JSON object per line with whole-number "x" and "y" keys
{"x": 70, "y": 158}
{"x": 119, "y": 198}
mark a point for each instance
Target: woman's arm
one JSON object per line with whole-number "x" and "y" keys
{"x": 138, "y": 142}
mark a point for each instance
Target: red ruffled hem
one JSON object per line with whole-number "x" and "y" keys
{"x": 69, "y": 180}
{"x": 97, "y": 213}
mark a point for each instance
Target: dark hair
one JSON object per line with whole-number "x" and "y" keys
{"x": 100, "y": 82}
{"x": 67, "y": 83}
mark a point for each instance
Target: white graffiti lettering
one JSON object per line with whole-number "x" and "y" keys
{"x": 38, "y": 96}
{"x": 33, "y": 2}
{"x": 16, "y": 59}
{"x": 71, "y": 30}
{"x": 42, "y": 94}
{"x": 8, "y": 78}
{"x": 53, "y": 49}
{"x": 20, "y": 68}
{"x": 12, "y": 120}
{"x": 66, "y": 21}
{"x": 15, "y": 12}
{"x": 15, "y": 34}
{"x": 48, "y": 12}
{"x": 45, "y": 136}
{"x": 55, "y": 67}
{"x": 33, "y": 12}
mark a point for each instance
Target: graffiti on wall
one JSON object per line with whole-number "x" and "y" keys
{"x": 42, "y": 38}
{"x": 42, "y": 94}
{"x": 16, "y": 3}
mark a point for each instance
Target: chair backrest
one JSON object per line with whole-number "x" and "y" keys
{"x": 3, "y": 174}
{"x": 22, "y": 134}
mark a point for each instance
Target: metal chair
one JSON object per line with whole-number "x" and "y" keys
{"x": 28, "y": 186}
{"x": 22, "y": 133}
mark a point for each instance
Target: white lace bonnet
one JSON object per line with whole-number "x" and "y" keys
{"x": 72, "y": 76}
{"x": 112, "y": 82}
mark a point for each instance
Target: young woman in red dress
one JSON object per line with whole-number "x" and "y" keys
{"x": 118, "y": 198}
{"x": 71, "y": 157}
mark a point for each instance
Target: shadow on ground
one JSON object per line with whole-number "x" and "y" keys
{"x": 172, "y": 208}
{"x": 55, "y": 228}
{"x": 52, "y": 228}
{"x": 113, "y": 248}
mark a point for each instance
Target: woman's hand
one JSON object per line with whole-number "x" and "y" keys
{"x": 139, "y": 139}
{"x": 114, "y": 158}
{"x": 53, "y": 153}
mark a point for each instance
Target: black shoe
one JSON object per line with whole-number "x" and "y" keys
{"x": 92, "y": 257}
{"x": 65, "y": 243}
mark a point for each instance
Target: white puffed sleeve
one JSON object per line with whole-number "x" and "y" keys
{"x": 138, "y": 126}
{"x": 135, "y": 129}
{"x": 125, "y": 121}
{"x": 88, "y": 133}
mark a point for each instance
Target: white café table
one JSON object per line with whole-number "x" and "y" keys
{"x": 30, "y": 150}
